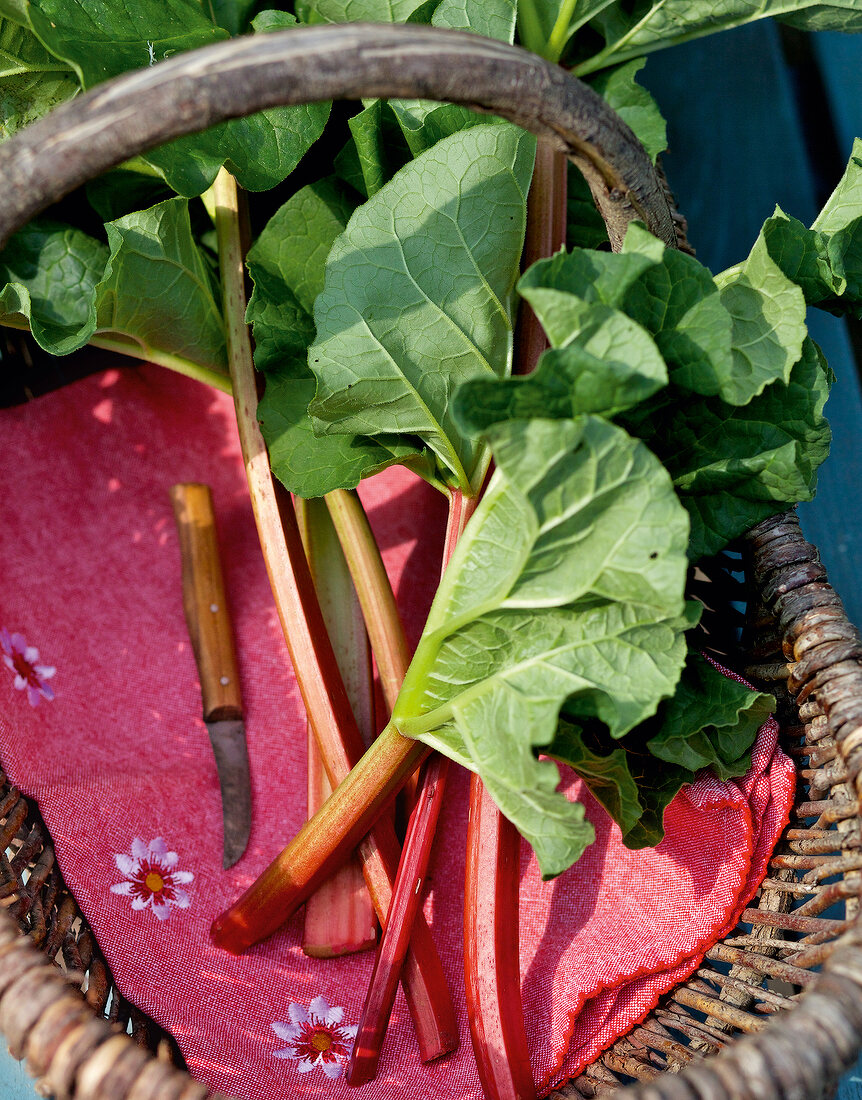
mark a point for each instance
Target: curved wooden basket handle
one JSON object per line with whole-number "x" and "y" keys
{"x": 133, "y": 113}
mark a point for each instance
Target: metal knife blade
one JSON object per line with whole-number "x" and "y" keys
{"x": 211, "y": 634}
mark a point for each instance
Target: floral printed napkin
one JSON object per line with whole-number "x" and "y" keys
{"x": 100, "y": 711}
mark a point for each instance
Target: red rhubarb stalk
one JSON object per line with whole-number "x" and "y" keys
{"x": 545, "y": 235}
{"x": 491, "y": 957}
{"x": 300, "y": 870}
{"x": 339, "y": 918}
{"x": 407, "y": 895}
{"x": 404, "y": 907}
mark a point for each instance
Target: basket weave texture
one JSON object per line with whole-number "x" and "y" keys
{"x": 797, "y": 636}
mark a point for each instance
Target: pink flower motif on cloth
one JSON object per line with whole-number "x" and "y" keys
{"x": 21, "y": 659}
{"x": 151, "y": 878}
{"x": 315, "y": 1038}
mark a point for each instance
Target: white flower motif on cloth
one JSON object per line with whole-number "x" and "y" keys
{"x": 315, "y": 1037}
{"x": 21, "y": 659}
{"x": 152, "y": 879}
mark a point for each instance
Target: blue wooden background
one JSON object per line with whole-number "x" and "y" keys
{"x": 757, "y": 117}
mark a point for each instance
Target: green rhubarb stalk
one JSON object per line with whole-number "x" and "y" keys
{"x": 377, "y": 600}
{"x": 339, "y": 917}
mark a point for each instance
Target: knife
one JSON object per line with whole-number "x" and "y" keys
{"x": 212, "y": 640}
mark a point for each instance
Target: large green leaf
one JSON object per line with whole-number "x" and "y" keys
{"x": 567, "y": 585}
{"x": 151, "y": 287}
{"x": 735, "y": 465}
{"x": 610, "y": 365}
{"x": 103, "y": 38}
{"x": 158, "y": 288}
{"x": 32, "y": 82}
{"x": 665, "y": 292}
{"x": 49, "y": 273}
{"x": 286, "y": 264}
{"x": 768, "y": 313}
{"x": 633, "y": 29}
{"x": 825, "y": 260}
{"x": 418, "y": 297}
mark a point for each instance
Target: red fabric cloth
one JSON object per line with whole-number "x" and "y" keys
{"x": 91, "y": 580}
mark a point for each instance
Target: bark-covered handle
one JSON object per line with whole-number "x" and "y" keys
{"x": 192, "y": 91}
{"x": 204, "y": 602}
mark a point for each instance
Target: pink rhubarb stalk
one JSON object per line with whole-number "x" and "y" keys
{"x": 407, "y": 896}
{"x": 404, "y": 907}
{"x": 491, "y": 956}
{"x": 546, "y": 234}
{"x": 328, "y": 839}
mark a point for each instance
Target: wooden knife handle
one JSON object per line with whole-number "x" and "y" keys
{"x": 204, "y": 602}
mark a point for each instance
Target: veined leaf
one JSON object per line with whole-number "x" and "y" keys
{"x": 610, "y": 365}
{"x": 379, "y": 144}
{"x": 32, "y": 82}
{"x": 158, "y": 289}
{"x": 425, "y": 122}
{"x": 607, "y": 774}
{"x": 825, "y": 260}
{"x": 768, "y": 313}
{"x": 287, "y": 264}
{"x": 103, "y": 38}
{"x": 735, "y": 465}
{"x": 418, "y": 295}
{"x": 711, "y": 721}
{"x": 665, "y": 292}
{"x": 631, "y": 30}
{"x": 49, "y": 273}
{"x": 567, "y": 585}
{"x": 151, "y": 286}
{"x": 367, "y": 11}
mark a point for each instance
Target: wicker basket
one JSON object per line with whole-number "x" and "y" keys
{"x": 786, "y": 959}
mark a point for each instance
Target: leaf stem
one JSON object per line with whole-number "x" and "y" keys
{"x": 125, "y": 346}
{"x": 546, "y": 234}
{"x": 559, "y": 35}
